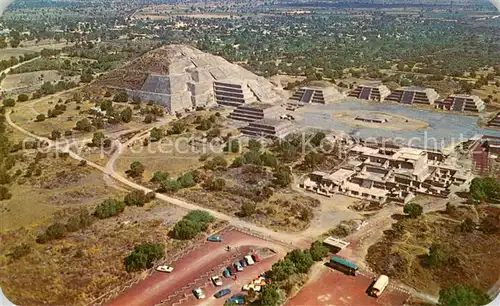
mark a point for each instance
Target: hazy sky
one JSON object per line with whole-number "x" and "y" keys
{"x": 5, "y": 3}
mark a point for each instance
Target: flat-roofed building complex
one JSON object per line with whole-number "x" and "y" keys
{"x": 313, "y": 94}
{"x": 462, "y": 103}
{"x": 370, "y": 92}
{"x": 268, "y": 128}
{"x": 413, "y": 95}
{"x": 255, "y": 111}
{"x": 381, "y": 174}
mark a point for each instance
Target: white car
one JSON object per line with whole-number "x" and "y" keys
{"x": 216, "y": 280}
{"x": 198, "y": 293}
{"x": 167, "y": 269}
{"x": 249, "y": 260}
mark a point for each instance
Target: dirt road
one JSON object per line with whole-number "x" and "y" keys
{"x": 292, "y": 239}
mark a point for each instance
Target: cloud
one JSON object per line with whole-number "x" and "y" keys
{"x": 3, "y": 5}
{"x": 496, "y": 3}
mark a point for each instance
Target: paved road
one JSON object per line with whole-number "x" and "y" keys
{"x": 293, "y": 239}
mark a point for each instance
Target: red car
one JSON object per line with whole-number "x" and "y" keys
{"x": 256, "y": 257}
{"x": 232, "y": 269}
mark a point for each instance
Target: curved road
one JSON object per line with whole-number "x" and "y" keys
{"x": 108, "y": 170}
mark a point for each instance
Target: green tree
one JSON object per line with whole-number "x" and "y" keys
{"x": 136, "y": 169}
{"x": 186, "y": 229}
{"x": 83, "y": 125}
{"x": 138, "y": 198}
{"x": 232, "y": 146}
{"x": 23, "y": 98}
{"x": 317, "y": 138}
{"x": 413, "y": 210}
{"x": 169, "y": 186}
{"x": 248, "y": 209}
{"x": 437, "y": 256}
{"x": 312, "y": 159}
{"x": 318, "y": 251}
{"x": 186, "y": 180}
{"x": 126, "y": 115}
{"x": 98, "y": 139}
{"x": 301, "y": 259}
{"x": 160, "y": 176}
{"x": 254, "y": 145}
{"x": 5, "y": 193}
{"x": 269, "y": 160}
{"x": 253, "y": 157}
{"x": 282, "y": 176}
{"x": 270, "y": 296}
{"x": 109, "y": 208}
{"x": 40, "y": 118}
{"x": 238, "y": 162}
{"x": 56, "y": 134}
{"x": 459, "y": 295}
{"x": 282, "y": 270}
{"x": 156, "y": 134}
{"x": 9, "y": 102}
{"x": 120, "y": 97}
{"x": 485, "y": 189}
{"x": 143, "y": 256}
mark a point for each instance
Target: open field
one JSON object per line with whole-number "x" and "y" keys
{"x": 29, "y": 80}
{"x": 467, "y": 257}
{"x": 331, "y": 287}
{"x": 195, "y": 268}
{"x": 85, "y": 264}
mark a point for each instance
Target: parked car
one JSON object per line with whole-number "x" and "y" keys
{"x": 216, "y": 280}
{"x": 232, "y": 269}
{"x": 243, "y": 263}
{"x": 214, "y": 239}
{"x": 237, "y": 299}
{"x": 256, "y": 257}
{"x": 166, "y": 269}
{"x": 249, "y": 260}
{"x": 226, "y": 273}
{"x": 198, "y": 293}
{"x": 222, "y": 293}
{"x": 238, "y": 266}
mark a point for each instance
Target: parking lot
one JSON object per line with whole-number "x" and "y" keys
{"x": 195, "y": 268}
{"x": 332, "y": 287}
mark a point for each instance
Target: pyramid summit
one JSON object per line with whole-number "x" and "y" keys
{"x": 180, "y": 77}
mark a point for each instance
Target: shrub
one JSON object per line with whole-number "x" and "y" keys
{"x": 247, "y": 209}
{"x": 143, "y": 256}
{"x": 170, "y": 186}
{"x": 138, "y": 198}
{"x": 136, "y": 169}
{"x": 238, "y": 162}
{"x": 9, "y": 102}
{"x": 318, "y": 251}
{"x": 160, "y": 176}
{"x": 109, "y": 208}
{"x": 301, "y": 259}
{"x": 282, "y": 176}
{"x": 83, "y": 125}
{"x": 186, "y": 180}
{"x": 23, "y": 98}
{"x": 215, "y": 185}
{"x": 4, "y": 193}
{"x": 156, "y": 134}
{"x": 413, "y": 210}
{"x": 120, "y": 97}
{"x": 40, "y": 117}
{"x": 232, "y": 146}
{"x": 126, "y": 115}
{"x": 192, "y": 224}
{"x": 254, "y": 145}
{"x": 485, "y": 189}
{"x": 460, "y": 295}
{"x": 20, "y": 251}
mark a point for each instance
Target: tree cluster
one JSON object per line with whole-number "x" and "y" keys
{"x": 192, "y": 224}
{"x": 143, "y": 256}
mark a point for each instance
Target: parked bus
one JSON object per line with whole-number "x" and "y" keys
{"x": 379, "y": 286}
{"x": 343, "y": 265}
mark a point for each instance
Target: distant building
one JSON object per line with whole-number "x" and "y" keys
{"x": 413, "y": 95}
{"x": 495, "y": 121}
{"x": 381, "y": 174}
{"x": 462, "y": 103}
{"x": 321, "y": 95}
{"x": 370, "y": 92}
